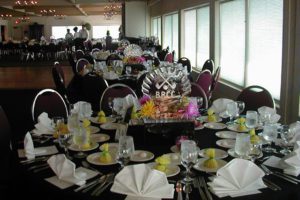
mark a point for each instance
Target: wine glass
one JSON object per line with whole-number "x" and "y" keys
{"x": 80, "y": 137}
{"x": 241, "y": 107}
{"x": 251, "y": 119}
{"x": 64, "y": 142}
{"x": 128, "y": 70}
{"x": 269, "y": 134}
{"x": 125, "y": 150}
{"x": 254, "y": 152}
{"x": 231, "y": 111}
{"x": 189, "y": 155}
{"x": 242, "y": 145}
{"x": 286, "y": 135}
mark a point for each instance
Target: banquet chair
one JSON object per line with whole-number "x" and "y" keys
{"x": 210, "y": 65}
{"x": 162, "y": 54}
{"x": 72, "y": 63}
{"x": 79, "y": 54}
{"x": 113, "y": 91}
{"x": 186, "y": 63}
{"x": 215, "y": 80}
{"x": 93, "y": 87}
{"x": 81, "y": 67}
{"x": 255, "y": 97}
{"x": 49, "y": 101}
{"x": 204, "y": 80}
{"x": 94, "y": 52}
{"x": 6, "y": 151}
{"x": 197, "y": 91}
{"x": 169, "y": 57}
{"x": 59, "y": 80}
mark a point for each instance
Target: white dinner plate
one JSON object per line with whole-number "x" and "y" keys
{"x": 141, "y": 156}
{"x": 109, "y": 126}
{"x": 234, "y": 127}
{"x": 108, "y": 120}
{"x": 232, "y": 153}
{"x": 112, "y": 147}
{"x": 215, "y": 125}
{"x": 172, "y": 170}
{"x": 219, "y": 153}
{"x": 226, "y": 134}
{"x": 100, "y": 137}
{"x": 75, "y": 147}
{"x": 95, "y": 159}
{"x": 199, "y": 127}
{"x": 200, "y": 165}
{"x": 174, "y": 158}
{"x": 204, "y": 119}
{"x": 226, "y": 143}
{"x": 94, "y": 129}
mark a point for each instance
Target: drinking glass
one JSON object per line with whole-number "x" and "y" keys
{"x": 128, "y": 70}
{"x": 125, "y": 150}
{"x": 64, "y": 142}
{"x": 57, "y": 122}
{"x": 251, "y": 119}
{"x": 80, "y": 137}
{"x": 242, "y": 145}
{"x": 254, "y": 152}
{"x": 265, "y": 118}
{"x": 189, "y": 155}
{"x": 241, "y": 107}
{"x": 231, "y": 111}
{"x": 269, "y": 134}
{"x": 286, "y": 135}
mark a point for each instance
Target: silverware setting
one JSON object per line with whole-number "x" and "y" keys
{"x": 106, "y": 183}
{"x": 203, "y": 184}
{"x": 91, "y": 184}
{"x": 197, "y": 185}
{"x": 88, "y": 166}
{"x": 37, "y": 166}
{"x": 43, "y": 158}
{"x": 279, "y": 175}
{"x": 271, "y": 185}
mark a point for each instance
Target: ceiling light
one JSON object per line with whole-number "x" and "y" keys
{"x": 26, "y": 3}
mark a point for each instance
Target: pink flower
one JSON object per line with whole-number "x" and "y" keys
{"x": 144, "y": 99}
{"x": 191, "y": 110}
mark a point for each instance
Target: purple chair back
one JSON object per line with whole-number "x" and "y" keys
{"x": 204, "y": 80}
{"x": 169, "y": 58}
{"x": 79, "y": 54}
{"x": 48, "y": 101}
{"x": 113, "y": 91}
{"x": 197, "y": 91}
{"x": 256, "y": 96}
{"x": 59, "y": 80}
{"x": 185, "y": 63}
{"x": 81, "y": 65}
{"x": 210, "y": 65}
{"x": 216, "y": 78}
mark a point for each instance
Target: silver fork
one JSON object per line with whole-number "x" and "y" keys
{"x": 268, "y": 172}
{"x": 109, "y": 180}
{"x": 203, "y": 184}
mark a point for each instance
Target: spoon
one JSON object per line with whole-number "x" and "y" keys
{"x": 87, "y": 165}
{"x": 179, "y": 190}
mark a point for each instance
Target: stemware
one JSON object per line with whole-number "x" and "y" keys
{"x": 241, "y": 107}
{"x": 64, "y": 142}
{"x": 269, "y": 134}
{"x": 231, "y": 111}
{"x": 242, "y": 144}
{"x": 286, "y": 135}
{"x": 251, "y": 119}
{"x": 265, "y": 118}
{"x": 80, "y": 137}
{"x": 189, "y": 155}
{"x": 254, "y": 152}
{"x": 125, "y": 150}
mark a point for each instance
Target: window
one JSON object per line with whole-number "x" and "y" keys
{"x": 60, "y": 31}
{"x": 196, "y": 35}
{"x": 251, "y": 43}
{"x": 170, "y": 38}
{"x": 156, "y": 27}
{"x": 100, "y": 31}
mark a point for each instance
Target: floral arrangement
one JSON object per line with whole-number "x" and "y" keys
{"x": 168, "y": 108}
{"x": 134, "y": 60}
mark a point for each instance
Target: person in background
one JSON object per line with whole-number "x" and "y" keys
{"x": 69, "y": 36}
{"x": 76, "y": 33}
{"x": 77, "y": 39}
{"x": 43, "y": 40}
{"x": 108, "y": 40}
{"x": 84, "y": 34}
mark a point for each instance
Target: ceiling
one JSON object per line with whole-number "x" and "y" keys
{"x": 61, "y": 7}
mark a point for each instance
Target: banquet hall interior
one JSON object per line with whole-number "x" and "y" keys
{"x": 240, "y": 50}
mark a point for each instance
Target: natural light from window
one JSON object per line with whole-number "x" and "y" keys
{"x": 100, "y": 31}
{"x": 60, "y": 31}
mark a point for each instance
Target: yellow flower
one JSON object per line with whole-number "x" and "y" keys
{"x": 241, "y": 120}
{"x": 210, "y": 152}
{"x": 148, "y": 109}
{"x": 210, "y": 111}
{"x": 163, "y": 160}
{"x": 86, "y": 123}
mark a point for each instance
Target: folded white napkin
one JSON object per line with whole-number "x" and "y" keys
{"x": 239, "y": 177}
{"x": 219, "y": 105}
{"x": 84, "y": 109}
{"x": 30, "y": 152}
{"x": 141, "y": 182}
{"x": 291, "y": 162}
{"x": 64, "y": 169}
{"x": 274, "y": 118}
{"x": 295, "y": 127}
{"x": 44, "y": 125}
{"x": 122, "y": 104}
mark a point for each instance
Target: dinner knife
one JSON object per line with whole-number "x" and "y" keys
{"x": 271, "y": 185}
{"x": 201, "y": 192}
{"x": 288, "y": 176}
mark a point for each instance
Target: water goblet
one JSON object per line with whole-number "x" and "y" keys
{"x": 241, "y": 107}
{"x": 231, "y": 111}
{"x": 64, "y": 142}
{"x": 80, "y": 138}
{"x": 242, "y": 145}
{"x": 189, "y": 155}
{"x": 269, "y": 134}
{"x": 251, "y": 119}
{"x": 125, "y": 150}
{"x": 286, "y": 135}
{"x": 254, "y": 151}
